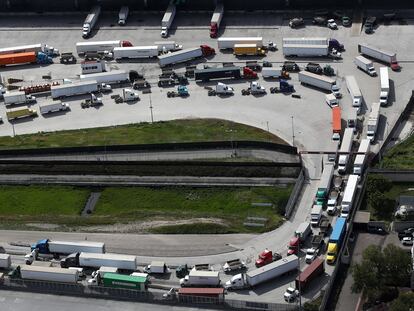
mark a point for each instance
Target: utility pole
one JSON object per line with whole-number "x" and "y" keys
{"x": 293, "y": 133}
{"x": 150, "y": 106}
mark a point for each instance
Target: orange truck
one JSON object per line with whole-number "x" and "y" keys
{"x": 336, "y": 123}
{"x": 25, "y": 58}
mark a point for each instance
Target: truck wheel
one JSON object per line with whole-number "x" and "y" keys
{"x": 168, "y": 94}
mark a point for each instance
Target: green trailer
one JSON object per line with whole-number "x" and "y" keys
{"x": 116, "y": 280}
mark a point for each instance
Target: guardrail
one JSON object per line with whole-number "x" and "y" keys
{"x": 290, "y": 206}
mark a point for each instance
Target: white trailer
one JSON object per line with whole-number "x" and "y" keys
{"x": 90, "y": 21}
{"x": 72, "y": 89}
{"x": 349, "y": 195}
{"x": 381, "y": 55}
{"x": 123, "y": 15}
{"x": 198, "y": 278}
{"x": 94, "y": 260}
{"x": 344, "y": 151}
{"x": 49, "y": 274}
{"x": 39, "y": 47}
{"x": 167, "y": 20}
{"x": 322, "y": 82}
{"x": 93, "y": 66}
{"x": 59, "y": 106}
{"x": 270, "y": 72}
{"x": 366, "y": 65}
{"x": 229, "y": 42}
{"x": 136, "y": 52}
{"x": 255, "y": 277}
{"x": 99, "y": 46}
{"x": 157, "y": 267}
{"x": 19, "y": 97}
{"x": 5, "y": 261}
{"x": 316, "y": 214}
{"x": 179, "y": 56}
{"x": 216, "y": 20}
{"x": 385, "y": 86}
{"x": 373, "y": 120}
{"x": 167, "y": 46}
{"x": 307, "y": 41}
{"x": 301, "y": 50}
{"x": 69, "y": 247}
{"x": 355, "y": 92}
{"x": 362, "y": 156}
{"x": 114, "y": 76}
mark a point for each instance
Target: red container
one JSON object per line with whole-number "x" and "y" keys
{"x": 315, "y": 269}
{"x": 17, "y": 58}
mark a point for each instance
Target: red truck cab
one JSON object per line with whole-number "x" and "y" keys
{"x": 207, "y": 50}
{"x": 249, "y": 73}
{"x": 395, "y": 66}
{"x": 265, "y": 258}
{"x": 213, "y": 30}
{"x": 293, "y": 245}
{"x": 126, "y": 43}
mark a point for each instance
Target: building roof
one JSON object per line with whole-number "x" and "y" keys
{"x": 362, "y": 217}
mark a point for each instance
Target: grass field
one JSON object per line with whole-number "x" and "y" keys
{"x": 400, "y": 156}
{"x": 191, "y": 130}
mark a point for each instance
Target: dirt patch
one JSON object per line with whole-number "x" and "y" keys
{"x": 43, "y": 226}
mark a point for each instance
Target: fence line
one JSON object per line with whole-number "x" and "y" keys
{"x": 290, "y": 206}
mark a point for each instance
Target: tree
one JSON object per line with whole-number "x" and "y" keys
{"x": 404, "y": 302}
{"x": 377, "y": 182}
{"x": 398, "y": 266}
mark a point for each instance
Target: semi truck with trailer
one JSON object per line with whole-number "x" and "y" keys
{"x": 248, "y": 49}
{"x": 336, "y": 123}
{"x": 381, "y": 55}
{"x": 50, "y": 274}
{"x": 311, "y": 272}
{"x": 362, "y": 157}
{"x": 349, "y": 196}
{"x": 324, "y": 183}
{"x": 167, "y": 20}
{"x": 83, "y": 48}
{"x": 114, "y": 76}
{"x": 345, "y": 150}
{"x": 354, "y": 91}
{"x": 157, "y": 267}
{"x": 123, "y": 15}
{"x": 19, "y": 97}
{"x": 116, "y": 280}
{"x": 72, "y": 89}
{"x": 135, "y": 52}
{"x": 335, "y": 240}
{"x": 365, "y": 65}
{"x": 216, "y": 20}
{"x": 198, "y": 278}
{"x": 316, "y": 215}
{"x": 167, "y": 46}
{"x": 311, "y": 47}
{"x": 39, "y": 47}
{"x": 373, "y": 120}
{"x": 90, "y": 21}
{"x": 385, "y": 86}
{"x": 225, "y": 43}
{"x": 300, "y": 236}
{"x": 185, "y": 55}
{"x": 25, "y": 58}
{"x": 224, "y": 73}
{"x": 56, "y": 107}
{"x": 258, "y": 276}
{"x": 321, "y": 82}
{"x": 97, "y": 260}
{"x": 332, "y": 43}
{"x": 20, "y": 113}
{"x": 46, "y": 246}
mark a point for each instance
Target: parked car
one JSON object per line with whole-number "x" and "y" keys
{"x": 376, "y": 230}
{"x": 369, "y": 25}
{"x": 332, "y": 24}
{"x": 406, "y": 233}
{"x": 346, "y": 21}
{"x": 407, "y": 241}
{"x": 314, "y": 68}
{"x": 319, "y": 20}
{"x": 296, "y": 22}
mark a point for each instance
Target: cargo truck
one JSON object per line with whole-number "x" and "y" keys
{"x": 311, "y": 272}
{"x": 373, "y": 120}
{"x": 157, "y": 267}
{"x": 248, "y": 49}
{"x": 90, "y": 21}
{"x": 185, "y": 55}
{"x": 300, "y": 236}
{"x": 345, "y": 150}
{"x": 309, "y": 47}
{"x": 331, "y": 100}
{"x": 223, "y": 73}
{"x": 96, "y": 260}
{"x": 383, "y": 56}
{"x": 167, "y": 20}
{"x": 324, "y": 184}
{"x": 332, "y": 44}
{"x": 135, "y": 52}
{"x": 322, "y": 82}
{"x": 167, "y": 46}
{"x": 316, "y": 215}
{"x": 16, "y": 98}
{"x": 39, "y": 47}
{"x": 216, "y": 20}
{"x": 83, "y": 48}
{"x": 72, "y": 89}
{"x": 349, "y": 196}
{"x": 201, "y": 279}
{"x": 354, "y": 91}
{"x": 50, "y": 274}
{"x": 21, "y": 112}
{"x": 335, "y": 240}
{"x": 116, "y": 280}
{"x": 336, "y": 123}
{"x": 5, "y": 261}
{"x": 270, "y": 72}
{"x": 46, "y": 246}
{"x": 255, "y": 277}
{"x": 233, "y": 265}
{"x": 362, "y": 157}
{"x": 385, "y": 86}
{"x": 365, "y": 65}
{"x": 25, "y": 58}
{"x": 114, "y": 76}
{"x": 123, "y": 15}
{"x": 59, "y": 106}
{"x": 225, "y": 43}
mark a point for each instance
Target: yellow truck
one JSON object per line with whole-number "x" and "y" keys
{"x": 248, "y": 49}
{"x": 21, "y": 112}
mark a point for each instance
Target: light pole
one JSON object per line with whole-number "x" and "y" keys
{"x": 293, "y": 132}
{"x": 150, "y": 107}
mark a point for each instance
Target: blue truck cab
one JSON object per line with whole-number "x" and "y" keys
{"x": 42, "y": 246}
